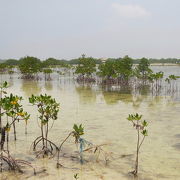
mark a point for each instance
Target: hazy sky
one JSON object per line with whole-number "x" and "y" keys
{"x": 98, "y": 28}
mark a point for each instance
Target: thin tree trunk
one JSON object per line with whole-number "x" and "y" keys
{"x": 14, "y": 128}
{"x": 137, "y": 152}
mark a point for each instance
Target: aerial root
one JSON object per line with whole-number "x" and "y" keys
{"x": 45, "y": 151}
{"x": 14, "y": 164}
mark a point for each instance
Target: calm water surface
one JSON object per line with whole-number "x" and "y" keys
{"x": 103, "y": 114}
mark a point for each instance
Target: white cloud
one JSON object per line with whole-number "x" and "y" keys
{"x": 130, "y": 11}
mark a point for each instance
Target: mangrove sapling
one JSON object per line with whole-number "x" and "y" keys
{"x": 77, "y": 132}
{"x": 83, "y": 145}
{"x": 156, "y": 79}
{"x": 171, "y": 81}
{"x": 140, "y": 127}
{"x": 76, "y": 176}
{"x": 48, "y": 109}
{"x": 12, "y": 108}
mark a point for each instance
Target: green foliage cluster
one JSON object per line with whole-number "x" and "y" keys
{"x": 77, "y": 132}
{"x": 10, "y": 106}
{"x": 86, "y": 66}
{"x": 54, "y": 62}
{"x": 3, "y": 86}
{"x": 121, "y": 68}
{"x": 12, "y": 62}
{"x": 171, "y": 78}
{"x": 156, "y": 76}
{"x": 140, "y": 125}
{"x": 30, "y": 65}
{"x": 165, "y": 60}
{"x": 47, "y": 71}
{"x": 143, "y": 68}
{"x": 107, "y": 70}
{"x": 3, "y": 68}
{"x": 47, "y": 107}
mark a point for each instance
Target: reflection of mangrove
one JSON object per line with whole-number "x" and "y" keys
{"x": 30, "y": 87}
{"x": 86, "y": 94}
{"x": 171, "y": 86}
{"x": 48, "y": 85}
{"x": 135, "y": 86}
{"x": 156, "y": 100}
{"x": 11, "y": 72}
{"x": 137, "y": 100}
{"x": 155, "y": 88}
{"x": 47, "y": 74}
{"x": 142, "y": 89}
{"x": 85, "y": 79}
{"x": 31, "y": 76}
{"x": 114, "y": 96}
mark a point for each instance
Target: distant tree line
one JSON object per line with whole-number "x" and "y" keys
{"x": 53, "y": 61}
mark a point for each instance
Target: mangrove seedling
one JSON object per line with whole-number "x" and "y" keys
{"x": 48, "y": 109}
{"x": 76, "y": 176}
{"x": 77, "y": 132}
{"x": 140, "y": 126}
{"x": 12, "y": 108}
{"x": 81, "y": 143}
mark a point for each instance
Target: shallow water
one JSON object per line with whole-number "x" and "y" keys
{"x": 103, "y": 114}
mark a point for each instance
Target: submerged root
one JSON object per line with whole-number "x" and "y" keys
{"x": 82, "y": 79}
{"x": 97, "y": 149}
{"x": 134, "y": 173}
{"x": 13, "y": 164}
{"x": 48, "y": 148}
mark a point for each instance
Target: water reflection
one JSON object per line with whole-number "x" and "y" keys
{"x": 113, "y": 95}
{"x": 30, "y": 87}
{"x": 156, "y": 100}
{"x": 137, "y": 101}
{"x": 86, "y": 94}
{"x": 145, "y": 90}
{"x": 48, "y": 85}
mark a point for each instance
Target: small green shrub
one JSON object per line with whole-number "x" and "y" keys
{"x": 140, "y": 126}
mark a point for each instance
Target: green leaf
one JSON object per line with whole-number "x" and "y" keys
{"x": 144, "y": 123}
{"x": 145, "y": 132}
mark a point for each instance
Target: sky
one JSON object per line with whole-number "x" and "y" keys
{"x": 65, "y": 29}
